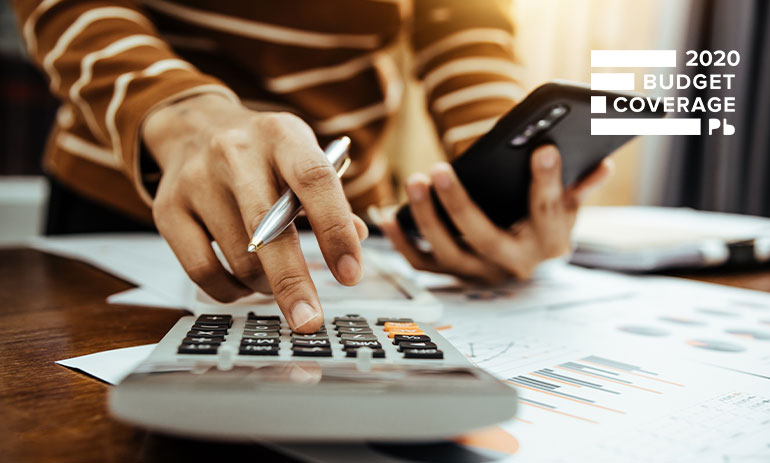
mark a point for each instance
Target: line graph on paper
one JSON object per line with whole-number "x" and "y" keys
{"x": 557, "y": 381}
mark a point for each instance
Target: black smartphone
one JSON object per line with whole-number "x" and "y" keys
{"x": 495, "y": 170}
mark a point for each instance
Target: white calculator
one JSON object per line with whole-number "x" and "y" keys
{"x": 221, "y": 376}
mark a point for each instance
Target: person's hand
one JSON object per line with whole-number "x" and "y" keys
{"x": 487, "y": 252}
{"x": 223, "y": 168}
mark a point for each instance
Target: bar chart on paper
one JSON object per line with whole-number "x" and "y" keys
{"x": 591, "y": 389}
{"x": 576, "y": 391}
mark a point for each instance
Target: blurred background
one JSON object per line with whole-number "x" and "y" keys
{"x": 554, "y": 39}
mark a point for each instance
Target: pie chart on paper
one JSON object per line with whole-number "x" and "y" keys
{"x": 716, "y": 345}
{"x": 643, "y": 330}
{"x": 750, "y": 334}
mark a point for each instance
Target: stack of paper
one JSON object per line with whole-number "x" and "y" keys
{"x": 652, "y": 238}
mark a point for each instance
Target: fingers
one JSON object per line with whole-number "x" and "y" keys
{"x": 303, "y": 165}
{"x": 282, "y": 261}
{"x": 546, "y": 188}
{"x": 361, "y": 229}
{"x": 493, "y": 244}
{"x": 192, "y": 247}
{"x": 289, "y": 277}
{"x": 401, "y": 243}
{"x": 223, "y": 221}
{"x": 578, "y": 193}
{"x": 551, "y": 214}
{"x": 446, "y": 251}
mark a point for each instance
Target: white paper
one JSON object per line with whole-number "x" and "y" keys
{"x": 143, "y": 259}
{"x": 636, "y": 227}
{"x": 110, "y": 366}
{"x": 143, "y": 298}
{"x": 671, "y": 406}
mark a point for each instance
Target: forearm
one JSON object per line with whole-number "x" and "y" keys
{"x": 108, "y": 64}
{"x": 464, "y": 58}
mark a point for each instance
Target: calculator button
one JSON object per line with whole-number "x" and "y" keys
{"x": 310, "y": 336}
{"x": 356, "y": 344}
{"x": 312, "y": 351}
{"x": 214, "y": 332}
{"x": 423, "y": 354}
{"x": 260, "y": 342}
{"x": 410, "y": 338}
{"x": 226, "y": 320}
{"x": 340, "y": 324}
{"x": 206, "y": 326}
{"x": 383, "y": 320}
{"x": 263, "y": 323}
{"x": 311, "y": 342}
{"x": 258, "y": 350}
{"x": 376, "y": 353}
{"x": 261, "y": 335}
{"x": 198, "y": 349}
{"x": 191, "y": 340}
{"x": 354, "y": 330}
{"x": 262, "y": 328}
{"x": 206, "y": 334}
{"x": 394, "y": 326}
{"x": 349, "y": 318}
{"x": 408, "y": 331}
{"x": 416, "y": 345}
{"x": 358, "y": 337}
{"x": 253, "y": 316}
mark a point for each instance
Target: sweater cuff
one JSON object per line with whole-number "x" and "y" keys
{"x": 139, "y": 165}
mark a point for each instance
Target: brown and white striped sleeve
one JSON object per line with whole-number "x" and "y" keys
{"x": 106, "y": 62}
{"x": 464, "y": 58}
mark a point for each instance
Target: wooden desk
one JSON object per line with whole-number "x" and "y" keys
{"x": 53, "y": 308}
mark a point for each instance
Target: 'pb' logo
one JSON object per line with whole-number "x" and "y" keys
{"x": 727, "y": 129}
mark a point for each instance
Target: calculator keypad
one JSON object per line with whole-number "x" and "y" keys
{"x": 262, "y": 336}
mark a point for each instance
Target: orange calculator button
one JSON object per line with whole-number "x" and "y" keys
{"x": 390, "y": 326}
{"x": 409, "y": 331}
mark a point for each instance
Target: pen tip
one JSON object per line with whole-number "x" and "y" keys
{"x": 255, "y": 247}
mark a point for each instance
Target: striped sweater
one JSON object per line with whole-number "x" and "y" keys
{"x": 112, "y": 62}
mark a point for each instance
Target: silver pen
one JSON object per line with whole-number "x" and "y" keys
{"x": 286, "y": 209}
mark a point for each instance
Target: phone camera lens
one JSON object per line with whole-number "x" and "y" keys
{"x": 558, "y": 111}
{"x": 543, "y": 124}
{"x": 519, "y": 140}
{"x": 530, "y": 131}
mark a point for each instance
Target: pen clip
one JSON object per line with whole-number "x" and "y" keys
{"x": 343, "y": 167}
